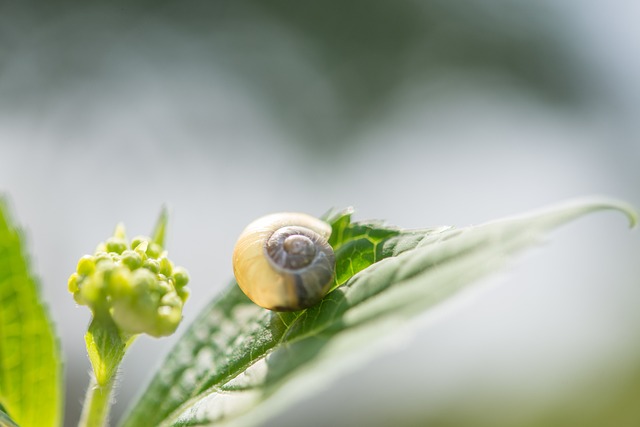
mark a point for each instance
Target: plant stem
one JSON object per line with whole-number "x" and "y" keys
{"x": 97, "y": 403}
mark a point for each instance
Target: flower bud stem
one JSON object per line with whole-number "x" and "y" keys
{"x": 95, "y": 412}
{"x": 106, "y": 347}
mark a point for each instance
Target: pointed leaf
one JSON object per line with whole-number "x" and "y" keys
{"x": 238, "y": 364}
{"x": 106, "y": 347}
{"x": 160, "y": 229}
{"x": 30, "y": 367}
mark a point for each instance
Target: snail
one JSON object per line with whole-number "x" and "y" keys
{"x": 283, "y": 261}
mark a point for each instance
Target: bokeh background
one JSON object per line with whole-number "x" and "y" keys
{"x": 418, "y": 112}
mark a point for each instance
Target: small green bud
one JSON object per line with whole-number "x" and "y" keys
{"x": 91, "y": 292}
{"x": 152, "y": 265}
{"x": 101, "y": 256}
{"x": 154, "y": 250}
{"x": 139, "y": 240}
{"x": 166, "y": 266}
{"x": 72, "y": 284}
{"x": 167, "y": 321}
{"x": 143, "y": 280}
{"x": 78, "y": 299}
{"x": 171, "y": 299}
{"x": 183, "y": 293}
{"x": 116, "y": 245}
{"x": 86, "y": 265}
{"x": 180, "y": 276}
{"x": 105, "y": 264}
{"x": 119, "y": 284}
{"x": 130, "y": 317}
{"x": 131, "y": 259}
{"x": 163, "y": 286}
{"x": 141, "y": 250}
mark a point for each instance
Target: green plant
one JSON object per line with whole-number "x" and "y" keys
{"x": 238, "y": 363}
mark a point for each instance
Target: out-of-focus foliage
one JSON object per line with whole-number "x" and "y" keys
{"x": 321, "y": 69}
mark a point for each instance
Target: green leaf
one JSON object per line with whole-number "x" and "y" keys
{"x": 238, "y": 364}
{"x": 106, "y": 347}
{"x": 5, "y": 419}
{"x": 30, "y": 367}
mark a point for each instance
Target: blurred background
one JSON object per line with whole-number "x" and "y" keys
{"x": 418, "y": 112}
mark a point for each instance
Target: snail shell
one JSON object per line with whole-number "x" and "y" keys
{"x": 283, "y": 261}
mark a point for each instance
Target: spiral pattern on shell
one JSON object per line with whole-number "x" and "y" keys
{"x": 283, "y": 262}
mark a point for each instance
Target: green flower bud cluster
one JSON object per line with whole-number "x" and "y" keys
{"x": 134, "y": 283}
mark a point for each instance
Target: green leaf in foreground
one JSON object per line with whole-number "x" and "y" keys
{"x": 5, "y": 420}
{"x": 235, "y": 365}
{"x": 30, "y": 367}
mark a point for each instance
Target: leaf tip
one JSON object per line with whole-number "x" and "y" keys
{"x": 627, "y": 209}
{"x": 334, "y": 213}
{"x": 599, "y": 203}
{"x": 633, "y": 219}
{"x": 159, "y": 231}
